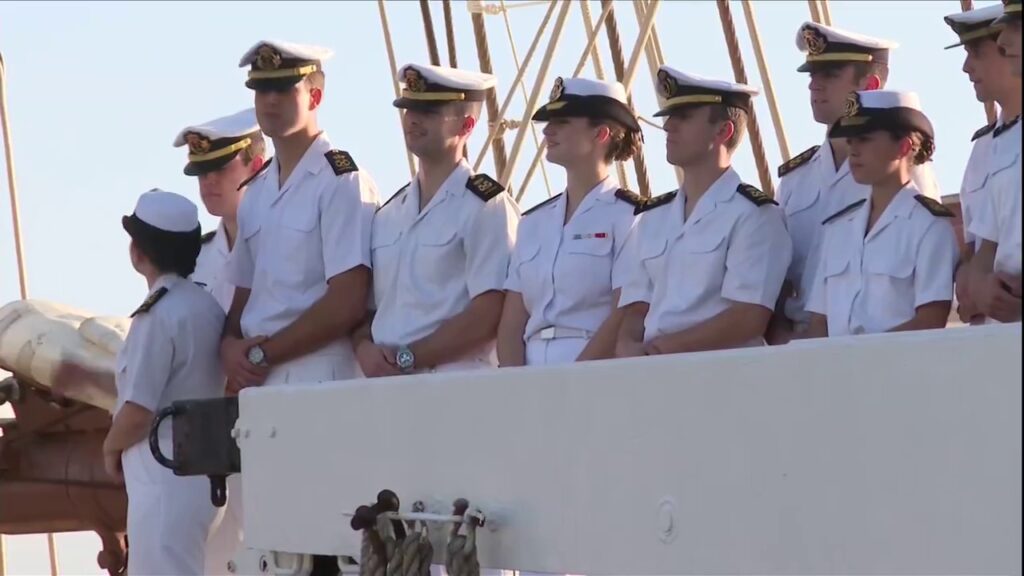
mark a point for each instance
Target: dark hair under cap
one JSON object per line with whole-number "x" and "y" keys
{"x": 170, "y": 252}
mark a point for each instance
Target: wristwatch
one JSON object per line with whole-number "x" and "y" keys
{"x": 405, "y": 359}
{"x": 256, "y": 356}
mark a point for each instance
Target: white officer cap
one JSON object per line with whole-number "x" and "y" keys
{"x": 586, "y": 98}
{"x": 1011, "y": 12}
{"x": 680, "y": 90}
{"x": 975, "y": 24}
{"x": 824, "y": 44}
{"x": 161, "y": 211}
{"x": 426, "y": 85}
{"x": 871, "y": 110}
{"x": 212, "y": 144}
{"x": 278, "y": 65}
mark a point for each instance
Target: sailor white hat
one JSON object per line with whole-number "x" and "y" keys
{"x": 586, "y": 98}
{"x": 871, "y": 110}
{"x": 825, "y": 44}
{"x": 279, "y": 65}
{"x": 426, "y": 85}
{"x": 161, "y": 211}
{"x": 212, "y": 144}
{"x": 680, "y": 89}
{"x": 974, "y": 24}
{"x": 1011, "y": 11}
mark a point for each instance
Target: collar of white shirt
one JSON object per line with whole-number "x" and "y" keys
{"x": 312, "y": 161}
{"x": 902, "y": 206}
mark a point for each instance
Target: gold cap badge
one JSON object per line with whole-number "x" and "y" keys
{"x": 666, "y": 84}
{"x": 414, "y": 81}
{"x": 852, "y": 105}
{"x": 268, "y": 58}
{"x": 557, "y": 90}
{"x": 197, "y": 143}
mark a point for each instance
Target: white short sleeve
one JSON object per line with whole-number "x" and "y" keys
{"x": 513, "y": 282}
{"x": 149, "y": 358}
{"x": 759, "y": 254}
{"x": 937, "y": 255}
{"x": 636, "y": 284}
{"x": 489, "y": 245}
{"x": 346, "y": 217}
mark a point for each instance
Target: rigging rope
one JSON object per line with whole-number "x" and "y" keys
{"x": 449, "y": 29}
{"x": 729, "y": 28}
{"x": 484, "y": 55}
{"x": 428, "y": 30}
{"x": 394, "y": 75}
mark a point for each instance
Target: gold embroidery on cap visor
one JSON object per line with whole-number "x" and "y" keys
{"x": 815, "y": 40}
{"x": 197, "y": 143}
{"x": 268, "y": 58}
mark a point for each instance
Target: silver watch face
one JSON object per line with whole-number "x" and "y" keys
{"x": 255, "y": 355}
{"x": 405, "y": 359}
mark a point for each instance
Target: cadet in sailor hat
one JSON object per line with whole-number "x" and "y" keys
{"x": 277, "y": 66}
{"x": 222, "y": 153}
{"x": 449, "y": 232}
{"x": 887, "y": 260}
{"x": 1009, "y": 38}
{"x": 991, "y": 74}
{"x": 706, "y": 261}
{"x": 565, "y": 272}
{"x": 817, "y": 182}
{"x": 169, "y": 354}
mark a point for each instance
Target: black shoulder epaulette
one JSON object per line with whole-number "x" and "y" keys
{"x": 253, "y": 177}
{"x": 934, "y": 206}
{"x": 629, "y": 197}
{"x": 1005, "y": 127}
{"x": 846, "y": 210}
{"x": 542, "y": 204}
{"x": 393, "y": 196}
{"x": 341, "y": 162}
{"x": 656, "y": 201}
{"x": 983, "y": 131}
{"x": 755, "y": 195}
{"x": 205, "y": 238}
{"x": 484, "y": 187}
{"x": 150, "y": 301}
{"x": 798, "y": 161}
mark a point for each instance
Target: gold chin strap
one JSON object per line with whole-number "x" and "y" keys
{"x": 436, "y": 96}
{"x": 853, "y": 121}
{"x": 694, "y": 99}
{"x": 285, "y": 73}
{"x": 220, "y": 152}
{"x": 841, "y": 57}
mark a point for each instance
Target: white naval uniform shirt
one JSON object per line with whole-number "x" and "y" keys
{"x": 211, "y": 268}
{"x": 976, "y": 176}
{"x": 567, "y": 272}
{"x": 429, "y": 264}
{"x": 808, "y": 195}
{"x": 729, "y": 250}
{"x": 171, "y": 353}
{"x": 874, "y": 282}
{"x": 291, "y": 240}
{"x": 1000, "y": 218}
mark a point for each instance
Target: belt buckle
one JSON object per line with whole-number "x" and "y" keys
{"x": 547, "y": 333}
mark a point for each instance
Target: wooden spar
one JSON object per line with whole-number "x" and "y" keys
{"x": 483, "y": 53}
{"x": 428, "y": 30}
{"x": 990, "y": 107}
{"x": 522, "y": 89}
{"x": 815, "y": 11}
{"x": 826, "y": 13}
{"x": 495, "y": 127}
{"x": 618, "y": 63}
{"x": 588, "y": 51}
{"x": 766, "y": 80}
{"x": 12, "y": 188}
{"x": 449, "y": 29}
{"x": 630, "y": 71}
{"x": 394, "y": 75}
{"x": 538, "y": 85}
{"x": 732, "y": 42}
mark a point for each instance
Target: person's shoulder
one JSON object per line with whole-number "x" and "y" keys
{"x": 797, "y": 162}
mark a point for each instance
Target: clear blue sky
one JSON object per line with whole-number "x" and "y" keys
{"x": 97, "y": 91}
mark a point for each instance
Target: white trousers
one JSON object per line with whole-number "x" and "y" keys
{"x": 225, "y": 538}
{"x": 168, "y": 516}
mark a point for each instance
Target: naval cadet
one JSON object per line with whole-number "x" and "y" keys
{"x": 991, "y": 74}
{"x": 222, "y": 154}
{"x": 817, "y": 182}
{"x": 441, "y": 244}
{"x": 170, "y": 353}
{"x": 887, "y": 261}
{"x": 561, "y": 302}
{"x": 301, "y": 263}
{"x": 706, "y": 261}
{"x": 996, "y": 270}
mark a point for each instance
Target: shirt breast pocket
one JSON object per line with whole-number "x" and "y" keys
{"x": 889, "y": 279}
{"x": 298, "y": 245}
{"x": 440, "y": 258}
{"x": 386, "y": 250}
{"x": 652, "y": 254}
{"x": 705, "y": 256}
{"x": 587, "y": 265}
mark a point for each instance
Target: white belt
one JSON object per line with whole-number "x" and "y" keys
{"x": 553, "y": 332}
